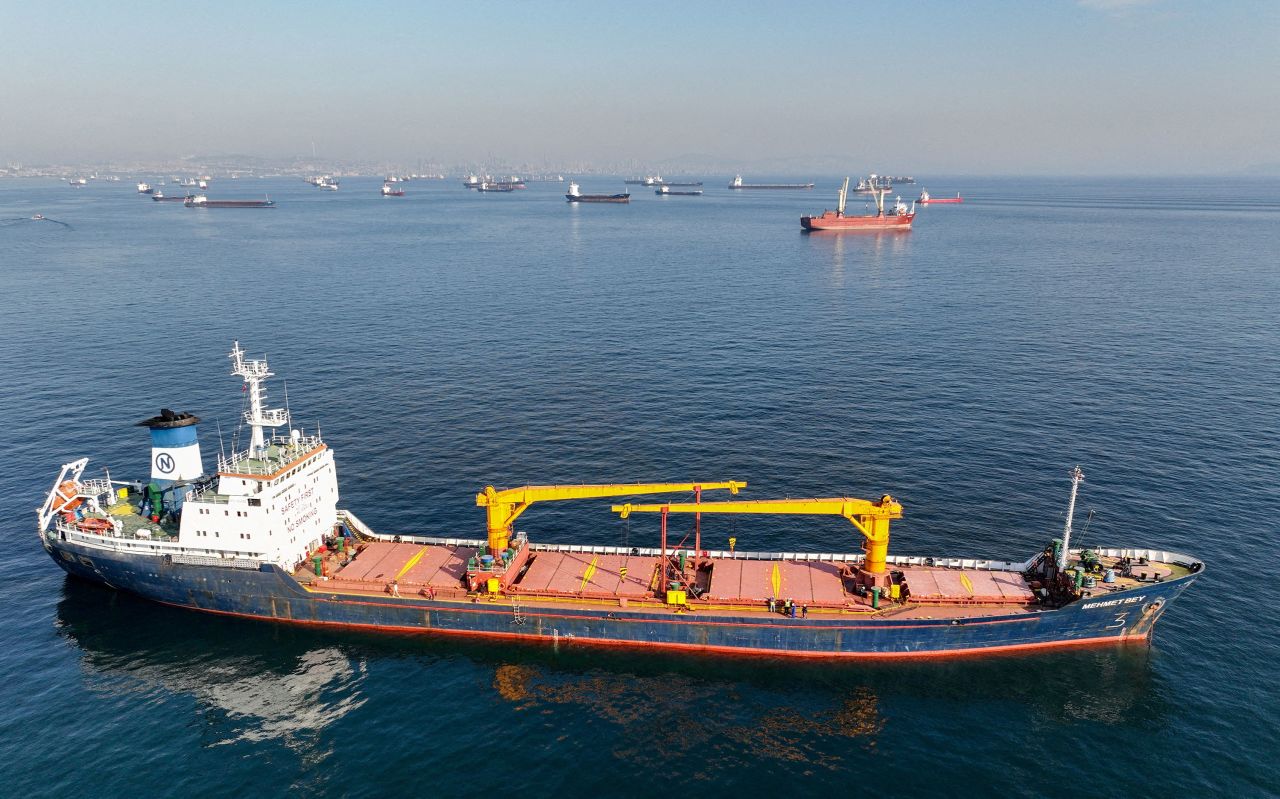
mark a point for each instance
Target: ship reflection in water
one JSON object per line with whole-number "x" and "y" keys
{"x": 864, "y": 253}
{"x": 255, "y": 681}
{"x": 665, "y": 717}
{"x": 249, "y": 685}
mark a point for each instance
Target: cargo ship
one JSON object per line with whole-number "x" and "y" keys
{"x": 263, "y": 537}
{"x": 872, "y": 184}
{"x": 391, "y": 191}
{"x": 143, "y": 188}
{"x": 201, "y": 201}
{"x": 160, "y": 196}
{"x": 737, "y": 183}
{"x": 898, "y": 217}
{"x": 665, "y": 190}
{"x": 928, "y": 199}
{"x": 575, "y": 195}
{"x": 501, "y": 184}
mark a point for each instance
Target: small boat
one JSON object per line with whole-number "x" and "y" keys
{"x": 666, "y": 191}
{"x": 328, "y": 187}
{"x": 201, "y": 201}
{"x": 37, "y": 217}
{"x": 737, "y": 183}
{"x": 144, "y": 188}
{"x": 575, "y": 195}
{"x": 927, "y": 199}
{"x": 391, "y": 191}
{"x": 898, "y": 217}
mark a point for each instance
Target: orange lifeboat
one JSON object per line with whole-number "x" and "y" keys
{"x": 95, "y": 526}
{"x": 66, "y": 497}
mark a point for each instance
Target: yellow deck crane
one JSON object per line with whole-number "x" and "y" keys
{"x": 505, "y": 506}
{"x": 871, "y": 518}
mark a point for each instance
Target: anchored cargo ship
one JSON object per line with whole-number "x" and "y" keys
{"x": 927, "y": 199}
{"x": 263, "y": 537}
{"x": 737, "y": 183}
{"x": 201, "y": 201}
{"x": 575, "y": 195}
{"x": 899, "y": 217}
{"x": 665, "y": 189}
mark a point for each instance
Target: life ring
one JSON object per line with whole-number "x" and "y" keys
{"x": 96, "y": 526}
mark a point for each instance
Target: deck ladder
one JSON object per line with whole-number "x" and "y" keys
{"x": 516, "y": 614}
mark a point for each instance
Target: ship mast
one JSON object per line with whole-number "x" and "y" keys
{"x": 1077, "y": 477}
{"x": 257, "y": 417}
{"x": 844, "y": 192}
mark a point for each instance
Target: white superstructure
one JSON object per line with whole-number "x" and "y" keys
{"x": 273, "y": 502}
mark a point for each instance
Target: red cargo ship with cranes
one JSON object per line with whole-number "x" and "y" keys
{"x": 899, "y": 217}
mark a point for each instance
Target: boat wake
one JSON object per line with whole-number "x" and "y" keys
{"x": 15, "y": 220}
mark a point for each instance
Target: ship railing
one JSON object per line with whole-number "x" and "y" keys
{"x": 96, "y": 487}
{"x": 353, "y": 523}
{"x": 979, "y": 564}
{"x": 270, "y": 417}
{"x": 248, "y": 462}
{"x": 209, "y": 495}
{"x": 131, "y": 543}
{"x": 1153, "y": 555}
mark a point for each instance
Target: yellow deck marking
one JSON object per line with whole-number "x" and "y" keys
{"x": 587, "y": 575}
{"x": 775, "y": 580}
{"x": 412, "y": 562}
{"x": 968, "y": 585}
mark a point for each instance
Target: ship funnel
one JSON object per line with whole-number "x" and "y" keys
{"x": 175, "y": 449}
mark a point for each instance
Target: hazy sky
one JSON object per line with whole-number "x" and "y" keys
{"x": 1052, "y": 86}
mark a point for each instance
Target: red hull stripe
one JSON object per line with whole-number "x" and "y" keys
{"x": 727, "y": 650}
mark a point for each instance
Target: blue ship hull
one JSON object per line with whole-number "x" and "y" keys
{"x": 270, "y": 594}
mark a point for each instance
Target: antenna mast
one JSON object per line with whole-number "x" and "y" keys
{"x": 1077, "y": 477}
{"x": 257, "y": 417}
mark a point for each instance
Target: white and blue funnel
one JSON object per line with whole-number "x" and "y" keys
{"x": 175, "y": 448}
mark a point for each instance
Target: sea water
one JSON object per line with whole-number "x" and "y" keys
{"x": 449, "y": 339}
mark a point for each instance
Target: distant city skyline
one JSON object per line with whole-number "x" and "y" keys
{"x": 1063, "y": 88}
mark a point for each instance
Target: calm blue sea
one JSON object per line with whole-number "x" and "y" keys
{"x": 451, "y": 339}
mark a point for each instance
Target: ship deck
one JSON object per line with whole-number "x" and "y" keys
{"x": 727, "y": 584}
